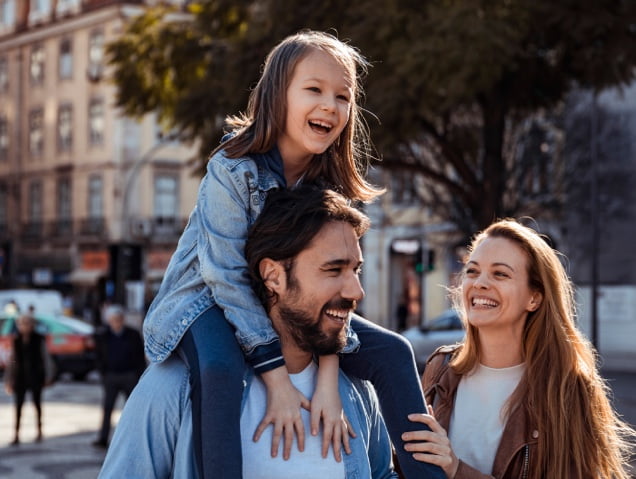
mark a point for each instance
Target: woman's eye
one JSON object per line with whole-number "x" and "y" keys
{"x": 471, "y": 271}
{"x": 501, "y": 274}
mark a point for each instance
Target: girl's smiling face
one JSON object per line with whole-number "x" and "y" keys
{"x": 319, "y": 100}
{"x": 495, "y": 287}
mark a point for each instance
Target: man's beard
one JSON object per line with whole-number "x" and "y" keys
{"x": 307, "y": 333}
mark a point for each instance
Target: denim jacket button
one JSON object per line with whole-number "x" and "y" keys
{"x": 184, "y": 322}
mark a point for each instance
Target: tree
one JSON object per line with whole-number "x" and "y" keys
{"x": 457, "y": 80}
{"x": 453, "y": 82}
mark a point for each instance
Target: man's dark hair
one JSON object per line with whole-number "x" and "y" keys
{"x": 288, "y": 224}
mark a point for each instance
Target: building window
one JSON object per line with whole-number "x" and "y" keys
{"x": 4, "y": 74}
{"x": 7, "y": 13}
{"x": 65, "y": 65}
{"x": 37, "y": 64}
{"x": 4, "y": 139}
{"x": 36, "y": 132}
{"x": 35, "y": 202}
{"x": 40, "y": 10}
{"x": 4, "y": 208}
{"x": 95, "y": 55}
{"x": 67, "y": 6}
{"x": 65, "y": 128}
{"x": 64, "y": 200}
{"x": 166, "y": 204}
{"x": 96, "y": 122}
{"x": 95, "y": 197}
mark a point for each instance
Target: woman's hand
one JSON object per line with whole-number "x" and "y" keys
{"x": 431, "y": 446}
{"x": 283, "y": 412}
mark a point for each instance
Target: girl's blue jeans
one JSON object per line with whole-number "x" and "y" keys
{"x": 216, "y": 362}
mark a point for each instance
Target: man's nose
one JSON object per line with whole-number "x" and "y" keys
{"x": 353, "y": 288}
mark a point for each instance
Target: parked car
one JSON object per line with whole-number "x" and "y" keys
{"x": 70, "y": 342}
{"x": 447, "y": 328}
{"x": 45, "y": 301}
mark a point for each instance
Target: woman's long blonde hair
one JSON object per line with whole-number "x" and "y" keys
{"x": 257, "y": 130}
{"x": 561, "y": 391}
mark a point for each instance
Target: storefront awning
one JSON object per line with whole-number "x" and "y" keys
{"x": 87, "y": 277}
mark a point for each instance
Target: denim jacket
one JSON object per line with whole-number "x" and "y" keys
{"x": 209, "y": 266}
{"x": 153, "y": 439}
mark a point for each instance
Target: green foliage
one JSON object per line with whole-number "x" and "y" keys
{"x": 452, "y": 79}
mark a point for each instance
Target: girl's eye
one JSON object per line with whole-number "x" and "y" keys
{"x": 315, "y": 89}
{"x": 343, "y": 98}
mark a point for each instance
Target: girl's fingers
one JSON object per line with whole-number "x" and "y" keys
{"x": 314, "y": 419}
{"x": 261, "y": 427}
{"x": 300, "y": 433}
{"x": 276, "y": 436}
{"x": 327, "y": 435}
{"x": 350, "y": 430}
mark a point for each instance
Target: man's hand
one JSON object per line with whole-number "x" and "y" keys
{"x": 326, "y": 406}
{"x": 283, "y": 412}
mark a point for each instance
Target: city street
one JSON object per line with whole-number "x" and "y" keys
{"x": 71, "y": 417}
{"x": 72, "y": 414}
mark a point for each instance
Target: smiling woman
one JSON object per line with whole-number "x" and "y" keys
{"x": 522, "y": 396}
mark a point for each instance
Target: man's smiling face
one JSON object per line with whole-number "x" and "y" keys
{"x": 322, "y": 290}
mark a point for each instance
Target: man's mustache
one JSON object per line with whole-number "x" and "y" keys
{"x": 342, "y": 304}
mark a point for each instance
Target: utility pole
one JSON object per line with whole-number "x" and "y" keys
{"x": 595, "y": 218}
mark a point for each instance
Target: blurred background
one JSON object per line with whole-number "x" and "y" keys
{"x": 477, "y": 110}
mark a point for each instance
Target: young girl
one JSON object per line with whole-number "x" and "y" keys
{"x": 302, "y": 125}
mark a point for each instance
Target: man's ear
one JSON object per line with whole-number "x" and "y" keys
{"x": 273, "y": 274}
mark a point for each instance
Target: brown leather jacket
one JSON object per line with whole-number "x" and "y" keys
{"x": 518, "y": 441}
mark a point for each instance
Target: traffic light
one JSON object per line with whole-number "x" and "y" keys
{"x": 430, "y": 265}
{"x": 419, "y": 261}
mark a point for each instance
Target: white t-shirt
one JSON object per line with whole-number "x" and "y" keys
{"x": 477, "y": 421}
{"x": 257, "y": 460}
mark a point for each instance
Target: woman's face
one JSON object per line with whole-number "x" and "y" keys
{"x": 495, "y": 290}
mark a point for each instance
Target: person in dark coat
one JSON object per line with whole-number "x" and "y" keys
{"x": 30, "y": 369}
{"x": 120, "y": 360}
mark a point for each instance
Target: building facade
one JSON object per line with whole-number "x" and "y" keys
{"x": 91, "y": 202}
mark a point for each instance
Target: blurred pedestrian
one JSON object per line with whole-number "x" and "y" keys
{"x": 120, "y": 361}
{"x": 29, "y": 369}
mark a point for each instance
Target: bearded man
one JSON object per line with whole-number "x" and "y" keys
{"x": 304, "y": 260}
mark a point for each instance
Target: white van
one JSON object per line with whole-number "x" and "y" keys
{"x": 45, "y": 301}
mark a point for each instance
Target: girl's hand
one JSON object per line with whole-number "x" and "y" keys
{"x": 431, "y": 446}
{"x": 336, "y": 429}
{"x": 283, "y": 412}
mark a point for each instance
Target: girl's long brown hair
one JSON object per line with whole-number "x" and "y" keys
{"x": 257, "y": 130}
{"x": 561, "y": 391}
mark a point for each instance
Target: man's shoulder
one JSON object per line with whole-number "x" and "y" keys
{"x": 168, "y": 380}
